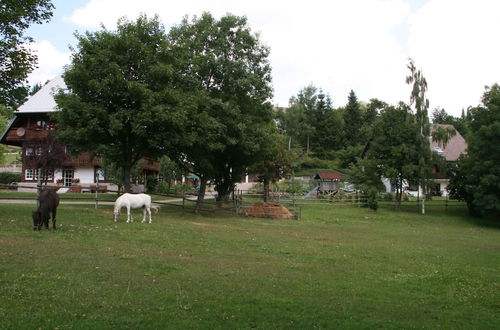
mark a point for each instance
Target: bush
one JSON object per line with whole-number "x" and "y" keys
{"x": 297, "y": 187}
{"x": 151, "y": 183}
{"x": 257, "y": 188}
{"x": 372, "y": 200}
{"x": 7, "y": 177}
{"x": 341, "y": 195}
{"x": 388, "y": 197}
{"x": 175, "y": 189}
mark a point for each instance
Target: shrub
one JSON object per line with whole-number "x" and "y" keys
{"x": 388, "y": 197}
{"x": 297, "y": 187}
{"x": 7, "y": 177}
{"x": 175, "y": 189}
{"x": 257, "y": 188}
{"x": 372, "y": 200}
{"x": 341, "y": 195}
{"x": 151, "y": 182}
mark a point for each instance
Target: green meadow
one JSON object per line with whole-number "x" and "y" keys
{"x": 338, "y": 267}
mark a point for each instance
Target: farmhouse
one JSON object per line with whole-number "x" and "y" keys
{"x": 453, "y": 149}
{"x": 450, "y": 151}
{"x": 31, "y": 126}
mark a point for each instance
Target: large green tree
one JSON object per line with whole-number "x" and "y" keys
{"x": 121, "y": 104}
{"x": 226, "y": 69}
{"x": 276, "y": 162}
{"x": 394, "y": 147}
{"x": 352, "y": 121}
{"x": 476, "y": 177}
{"x": 311, "y": 122}
{"x": 298, "y": 119}
{"x": 16, "y": 59}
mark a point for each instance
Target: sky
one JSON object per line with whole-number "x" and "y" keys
{"x": 335, "y": 45}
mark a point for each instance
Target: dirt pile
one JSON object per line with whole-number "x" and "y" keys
{"x": 267, "y": 210}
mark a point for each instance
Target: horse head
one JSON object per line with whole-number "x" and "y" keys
{"x": 116, "y": 214}
{"x": 37, "y": 220}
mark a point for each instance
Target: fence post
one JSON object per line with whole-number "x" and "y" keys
{"x": 97, "y": 191}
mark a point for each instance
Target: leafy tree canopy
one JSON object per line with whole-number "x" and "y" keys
{"x": 395, "y": 146}
{"x": 226, "y": 69}
{"x": 476, "y": 177}
{"x": 121, "y": 104}
{"x": 16, "y": 60}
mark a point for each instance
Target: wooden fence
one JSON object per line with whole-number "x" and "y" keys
{"x": 238, "y": 201}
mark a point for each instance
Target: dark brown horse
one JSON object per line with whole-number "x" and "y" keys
{"x": 48, "y": 202}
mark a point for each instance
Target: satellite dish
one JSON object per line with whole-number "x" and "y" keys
{"x": 21, "y": 131}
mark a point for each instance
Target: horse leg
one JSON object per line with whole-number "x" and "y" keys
{"x": 149, "y": 212}
{"x": 129, "y": 220}
{"x": 54, "y": 219}
{"x": 143, "y": 214}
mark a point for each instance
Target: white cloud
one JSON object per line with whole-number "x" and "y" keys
{"x": 456, "y": 45}
{"x": 337, "y": 45}
{"x": 50, "y": 62}
{"x": 352, "y": 44}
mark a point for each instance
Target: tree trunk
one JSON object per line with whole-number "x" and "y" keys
{"x": 266, "y": 190}
{"x": 223, "y": 186}
{"x": 126, "y": 177}
{"x": 201, "y": 194}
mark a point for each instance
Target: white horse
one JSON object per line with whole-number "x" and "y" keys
{"x": 133, "y": 201}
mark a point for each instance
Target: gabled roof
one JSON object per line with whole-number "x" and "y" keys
{"x": 328, "y": 176}
{"x": 43, "y": 100}
{"x": 454, "y": 148}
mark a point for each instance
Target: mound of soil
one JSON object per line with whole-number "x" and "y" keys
{"x": 267, "y": 210}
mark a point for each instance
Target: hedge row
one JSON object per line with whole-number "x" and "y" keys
{"x": 7, "y": 177}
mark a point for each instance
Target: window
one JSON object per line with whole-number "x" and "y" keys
{"x": 48, "y": 175}
{"x": 28, "y": 174}
{"x": 29, "y": 151}
{"x": 438, "y": 150}
{"x": 41, "y": 124}
{"x": 100, "y": 174}
{"x": 38, "y": 151}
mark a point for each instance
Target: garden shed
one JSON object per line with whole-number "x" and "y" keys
{"x": 328, "y": 182}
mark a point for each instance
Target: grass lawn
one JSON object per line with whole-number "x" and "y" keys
{"x": 339, "y": 267}
{"x": 11, "y": 158}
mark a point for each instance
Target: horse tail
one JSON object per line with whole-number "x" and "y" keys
{"x": 156, "y": 208}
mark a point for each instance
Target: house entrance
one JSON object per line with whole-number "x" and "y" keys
{"x": 68, "y": 174}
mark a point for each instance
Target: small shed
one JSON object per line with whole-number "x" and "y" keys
{"x": 328, "y": 182}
